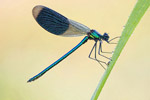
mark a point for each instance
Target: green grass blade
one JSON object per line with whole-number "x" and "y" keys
{"x": 136, "y": 15}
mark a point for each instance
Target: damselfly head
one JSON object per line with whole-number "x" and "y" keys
{"x": 105, "y": 37}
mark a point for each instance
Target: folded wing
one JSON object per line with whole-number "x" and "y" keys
{"x": 58, "y": 24}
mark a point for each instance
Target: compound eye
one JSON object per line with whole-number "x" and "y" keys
{"x": 105, "y": 37}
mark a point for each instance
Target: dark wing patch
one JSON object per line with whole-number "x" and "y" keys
{"x": 52, "y": 21}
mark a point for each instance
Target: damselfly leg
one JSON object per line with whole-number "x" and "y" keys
{"x": 100, "y": 51}
{"x": 110, "y": 41}
{"x": 95, "y": 58}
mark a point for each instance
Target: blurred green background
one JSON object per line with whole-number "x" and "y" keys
{"x": 27, "y": 49}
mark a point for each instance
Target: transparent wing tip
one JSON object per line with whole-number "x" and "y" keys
{"x": 36, "y": 10}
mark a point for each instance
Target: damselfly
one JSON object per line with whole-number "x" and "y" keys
{"x": 58, "y": 24}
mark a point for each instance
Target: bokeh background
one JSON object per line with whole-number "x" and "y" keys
{"x": 26, "y": 49}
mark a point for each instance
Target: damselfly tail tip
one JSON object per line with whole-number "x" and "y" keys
{"x": 36, "y": 10}
{"x": 30, "y": 80}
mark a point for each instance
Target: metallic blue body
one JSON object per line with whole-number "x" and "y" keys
{"x": 59, "y": 60}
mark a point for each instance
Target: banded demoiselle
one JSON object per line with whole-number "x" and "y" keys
{"x": 58, "y": 24}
